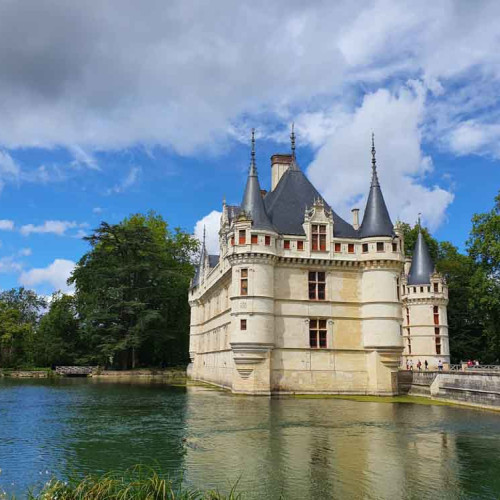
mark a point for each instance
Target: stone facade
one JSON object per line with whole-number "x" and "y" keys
{"x": 312, "y": 308}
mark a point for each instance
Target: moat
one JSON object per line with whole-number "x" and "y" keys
{"x": 301, "y": 448}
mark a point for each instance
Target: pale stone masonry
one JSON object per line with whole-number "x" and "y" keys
{"x": 300, "y": 301}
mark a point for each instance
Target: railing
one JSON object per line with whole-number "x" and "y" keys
{"x": 475, "y": 368}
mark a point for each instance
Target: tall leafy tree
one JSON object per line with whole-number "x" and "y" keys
{"x": 131, "y": 292}
{"x": 484, "y": 248}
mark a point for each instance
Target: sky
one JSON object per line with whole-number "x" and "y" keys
{"x": 116, "y": 107}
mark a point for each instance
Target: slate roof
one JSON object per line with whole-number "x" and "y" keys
{"x": 421, "y": 265}
{"x": 253, "y": 204}
{"x": 287, "y": 203}
{"x": 376, "y": 219}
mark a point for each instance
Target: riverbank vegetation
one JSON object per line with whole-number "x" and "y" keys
{"x": 130, "y": 306}
{"x": 137, "y": 483}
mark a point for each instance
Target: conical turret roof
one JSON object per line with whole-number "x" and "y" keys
{"x": 253, "y": 203}
{"x": 421, "y": 265}
{"x": 376, "y": 219}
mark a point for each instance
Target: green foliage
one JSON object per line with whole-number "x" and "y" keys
{"x": 137, "y": 483}
{"x": 131, "y": 293}
{"x": 58, "y": 337}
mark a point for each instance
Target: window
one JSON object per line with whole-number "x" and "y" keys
{"x": 414, "y": 289}
{"x": 243, "y": 324}
{"x": 438, "y": 345}
{"x": 350, "y": 247}
{"x": 242, "y": 237}
{"x": 338, "y": 248}
{"x": 436, "y": 315}
{"x": 319, "y": 237}
{"x": 286, "y": 244}
{"x": 421, "y": 289}
{"x": 254, "y": 239}
{"x": 365, "y": 247}
{"x": 407, "y": 316}
{"x": 429, "y": 289}
{"x": 232, "y": 240}
{"x": 317, "y": 285}
{"x": 244, "y": 282}
{"x": 317, "y": 333}
{"x": 380, "y": 246}
{"x": 397, "y": 289}
{"x": 404, "y": 289}
{"x": 436, "y": 288}
{"x": 394, "y": 247}
{"x": 409, "y": 346}
{"x": 436, "y": 331}
{"x": 267, "y": 240}
{"x": 300, "y": 245}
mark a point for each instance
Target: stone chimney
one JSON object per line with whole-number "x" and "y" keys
{"x": 279, "y": 165}
{"x": 355, "y": 218}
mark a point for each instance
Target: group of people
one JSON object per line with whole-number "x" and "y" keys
{"x": 409, "y": 365}
{"x": 471, "y": 364}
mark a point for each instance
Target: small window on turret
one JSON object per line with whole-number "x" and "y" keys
{"x": 243, "y": 324}
{"x": 350, "y": 247}
{"x": 421, "y": 289}
{"x": 254, "y": 239}
{"x": 286, "y": 244}
{"x": 338, "y": 247}
{"x": 244, "y": 282}
{"x": 365, "y": 247}
{"x": 394, "y": 247}
{"x": 232, "y": 240}
{"x": 267, "y": 240}
{"x": 242, "y": 237}
{"x": 436, "y": 288}
{"x": 300, "y": 245}
{"x": 380, "y": 246}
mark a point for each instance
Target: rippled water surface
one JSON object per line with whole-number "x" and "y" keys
{"x": 302, "y": 448}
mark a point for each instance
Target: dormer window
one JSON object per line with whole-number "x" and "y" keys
{"x": 436, "y": 288}
{"x": 286, "y": 244}
{"x": 242, "y": 237}
{"x": 318, "y": 237}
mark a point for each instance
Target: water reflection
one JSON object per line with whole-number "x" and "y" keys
{"x": 301, "y": 448}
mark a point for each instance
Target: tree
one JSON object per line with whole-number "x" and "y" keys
{"x": 484, "y": 248}
{"x": 131, "y": 292}
{"x": 58, "y": 337}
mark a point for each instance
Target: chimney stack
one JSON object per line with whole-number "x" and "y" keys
{"x": 279, "y": 165}
{"x": 355, "y": 218}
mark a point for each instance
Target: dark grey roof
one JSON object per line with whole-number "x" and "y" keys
{"x": 421, "y": 265}
{"x": 253, "y": 204}
{"x": 376, "y": 219}
{"x": 232, "y": 212}
{"x": 286, "y": 204}
{"x": 213, "y": 260}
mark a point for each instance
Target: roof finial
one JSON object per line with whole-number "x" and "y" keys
{"x": 253, "y": 168}
{"x": 374, "y": 163}
{"x": 418, "y": 222}
{"x": 292, "y": 139}
{"x": 204, "y": 235}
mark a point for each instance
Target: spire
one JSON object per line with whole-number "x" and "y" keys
{"x": 292, "y": 140}
{"x": 253, "y": 168}
{"x": 374, "y": 164}
{"x": 421, "y": 265}
{"x": 376, "y": 219}
{"x": 253, "y": 204}
{"x": 204, "y": 237}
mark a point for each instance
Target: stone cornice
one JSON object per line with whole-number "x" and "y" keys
{"x": 431, "y": 301}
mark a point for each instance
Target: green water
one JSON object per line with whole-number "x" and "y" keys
{"x": 303, "y": 448}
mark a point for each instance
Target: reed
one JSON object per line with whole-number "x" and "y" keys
{"x": 137, "y": 483}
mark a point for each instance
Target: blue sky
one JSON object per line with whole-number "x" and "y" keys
{"x": 108, "y": 109}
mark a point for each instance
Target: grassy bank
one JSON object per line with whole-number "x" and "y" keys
{"x": 137, "y": 483}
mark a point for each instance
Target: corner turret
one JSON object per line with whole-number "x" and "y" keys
{"x": 376, "y": 220}
{"x": 422, "y": 266}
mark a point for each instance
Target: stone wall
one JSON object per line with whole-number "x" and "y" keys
{"x": 470, "y": 388}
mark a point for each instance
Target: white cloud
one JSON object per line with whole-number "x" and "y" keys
{"x": 472, "y": 136}
{"x": 25, "y": 252}
{"x": 211, "y": 223}
{"x": 97, "y": 210}
{"x": 6, "y": 225}
{"x": 55, "y": 274}
{"x": 343, "y": 165}
{"x": 9, "y": 264}
{"x": 127, "y": 182}
{"x": 58, "y": 227}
